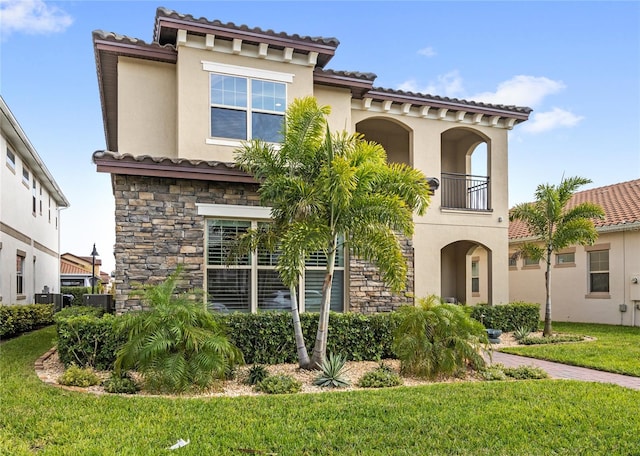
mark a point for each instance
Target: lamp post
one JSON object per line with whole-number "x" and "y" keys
{"x": 94, "y": 254}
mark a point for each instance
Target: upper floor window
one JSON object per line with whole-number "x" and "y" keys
{"x": 246, "y": 108}
{"x": 527, "y": 261}
{"x": 33, "y": 197}
{"x": 599, "y": 271}
{"x": 566, "y": 259}
{"x": 11, "y": 159}
{"x": 513, "y": 261}
{"x": 26, "y": 177}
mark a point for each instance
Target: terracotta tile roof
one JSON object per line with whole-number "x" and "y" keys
{"x": 164, "y": 13}
{"x": 380, "y": 91}
{"x": 68, "y": 268}
{"x": 621, "y": 204}
{"x": 146, "y": 165}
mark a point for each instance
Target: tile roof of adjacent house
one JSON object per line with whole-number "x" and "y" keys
{"x": 620, "y": 202}
{"x": 72, "y": 269}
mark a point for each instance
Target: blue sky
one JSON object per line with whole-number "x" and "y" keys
{"x": 577, "y": 64}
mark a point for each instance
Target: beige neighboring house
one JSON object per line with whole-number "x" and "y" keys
{"x": 75, "y": 271}
{"x": 30, "y": 203}
{"x": 175, "y": 109}
{"x": 595, "y": 284}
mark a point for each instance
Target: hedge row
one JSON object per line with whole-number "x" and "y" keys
{"x": 508, "y": 317}
{"x": 17, "y": 319}
{"x": 267, "y": 338}
{"x": 86, "y": 340}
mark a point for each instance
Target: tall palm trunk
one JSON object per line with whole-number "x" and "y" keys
{"x": 547, "y": 308}
{"x": 301, "y": 348}
{"x": 320, "y": 347}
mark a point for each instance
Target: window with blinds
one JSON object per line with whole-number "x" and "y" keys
{"x": 251, "y": 282}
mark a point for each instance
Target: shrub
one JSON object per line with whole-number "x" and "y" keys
{"x": 121, "y": 384}
{"x": 550, "y": 340}
{"x": 525, "y": 372}
{"x": 333, "y": 370}
{"x": 177, "y": 344}
{"x": 279, "y": 384}
{"x": 78, "y": 376}
{"x": 492, "y": 373}
{"x": 267, "y": 337}
{"x": 87, "y": 340}
{"x": 380, "y": 377}
{"x": 256, "y": 374}
{"x": 76, "y": 311}
{"x": 18, "y": 319}
{"x": 508, "y": 317}
{"x": 435, "y": 339}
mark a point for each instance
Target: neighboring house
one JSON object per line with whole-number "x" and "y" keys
{"x": 30, "y": 203}
{"x": 597, "y": 283}
{"x": 75, "y": 271}
{"x": 175, "y": 110}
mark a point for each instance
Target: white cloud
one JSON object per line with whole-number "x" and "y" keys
{"x": 449, "y": 85}
{"x": 521, "y": 90}
{"x": 549, "y": 120}
{"x": 32, "y": 17}
{"x": 427, "y": 52}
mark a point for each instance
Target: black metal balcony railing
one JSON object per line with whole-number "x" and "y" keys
{"x": 464, "y": 191}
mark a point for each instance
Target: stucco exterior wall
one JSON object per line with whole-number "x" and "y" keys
{"x": 147, "y": 108}
{"x": 193, "y": 88}
{"x": 570, "y": 298}
{"x": 32, "y": 234}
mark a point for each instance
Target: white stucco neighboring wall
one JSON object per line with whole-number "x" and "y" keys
{"x": 570, "y": 297}
{"x": 30, "y": 234}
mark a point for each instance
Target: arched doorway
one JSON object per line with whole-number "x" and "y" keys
{"x": 465, "y": 268}
{"x": 394, "y": 137}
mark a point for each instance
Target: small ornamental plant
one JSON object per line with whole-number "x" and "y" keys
{"x": 279, "y": 384}
{"x": 333, "y": 370}
{"x": 78, "y": 376}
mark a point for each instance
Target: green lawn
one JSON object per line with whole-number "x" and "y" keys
{"x": 491, "y": 418}
{"x": 617, "y": 348}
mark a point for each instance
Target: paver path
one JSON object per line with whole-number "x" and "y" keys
{"x": 558, "y": 370}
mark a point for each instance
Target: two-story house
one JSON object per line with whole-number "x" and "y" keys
{"x": 30, "y": 203}
{"x": 175, "y": 110}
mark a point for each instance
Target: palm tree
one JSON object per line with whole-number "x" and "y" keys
{"x": 328, "y": 191}
{"x": 556, "y": 225}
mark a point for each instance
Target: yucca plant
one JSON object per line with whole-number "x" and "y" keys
{"x": 434, "y": 339}
{"x": 333, "y": 370}
{"x": 177, "y": 344}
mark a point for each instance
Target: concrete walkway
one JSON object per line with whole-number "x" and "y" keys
{"x": 557, "y": 370}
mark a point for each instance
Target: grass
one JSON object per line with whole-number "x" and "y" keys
{"x": 489, "y": 418}
{"x": 617, "y": 348}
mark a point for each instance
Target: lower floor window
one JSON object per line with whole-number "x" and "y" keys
{"x": 19, "y": 274}
{"x": 252, "y": 282}
{"x": 599, "y": 271}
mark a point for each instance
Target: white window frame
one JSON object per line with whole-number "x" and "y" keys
{"x": 11, "y": 159}
{"x": 26, "y": 176}
{"x": 218, "y": 212}
{"x": 591, "y": 252}
{"x": 475, "y": 277}
{"x": 250, "y": 74}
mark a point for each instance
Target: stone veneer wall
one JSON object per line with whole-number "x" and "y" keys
{"x": 158, "y": 227}
{"x": 367, "y": 291}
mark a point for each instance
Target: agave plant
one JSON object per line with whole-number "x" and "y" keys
{"x": 521, "y": 332}
{"x": 333, "y": 370}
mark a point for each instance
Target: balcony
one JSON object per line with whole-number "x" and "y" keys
{"x": 465, "y": 192}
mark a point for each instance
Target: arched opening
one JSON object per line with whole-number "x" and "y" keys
{"x": 394, "y": 137}
{"x": 466, "y": 165}
{"x": 465, "y": 268}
